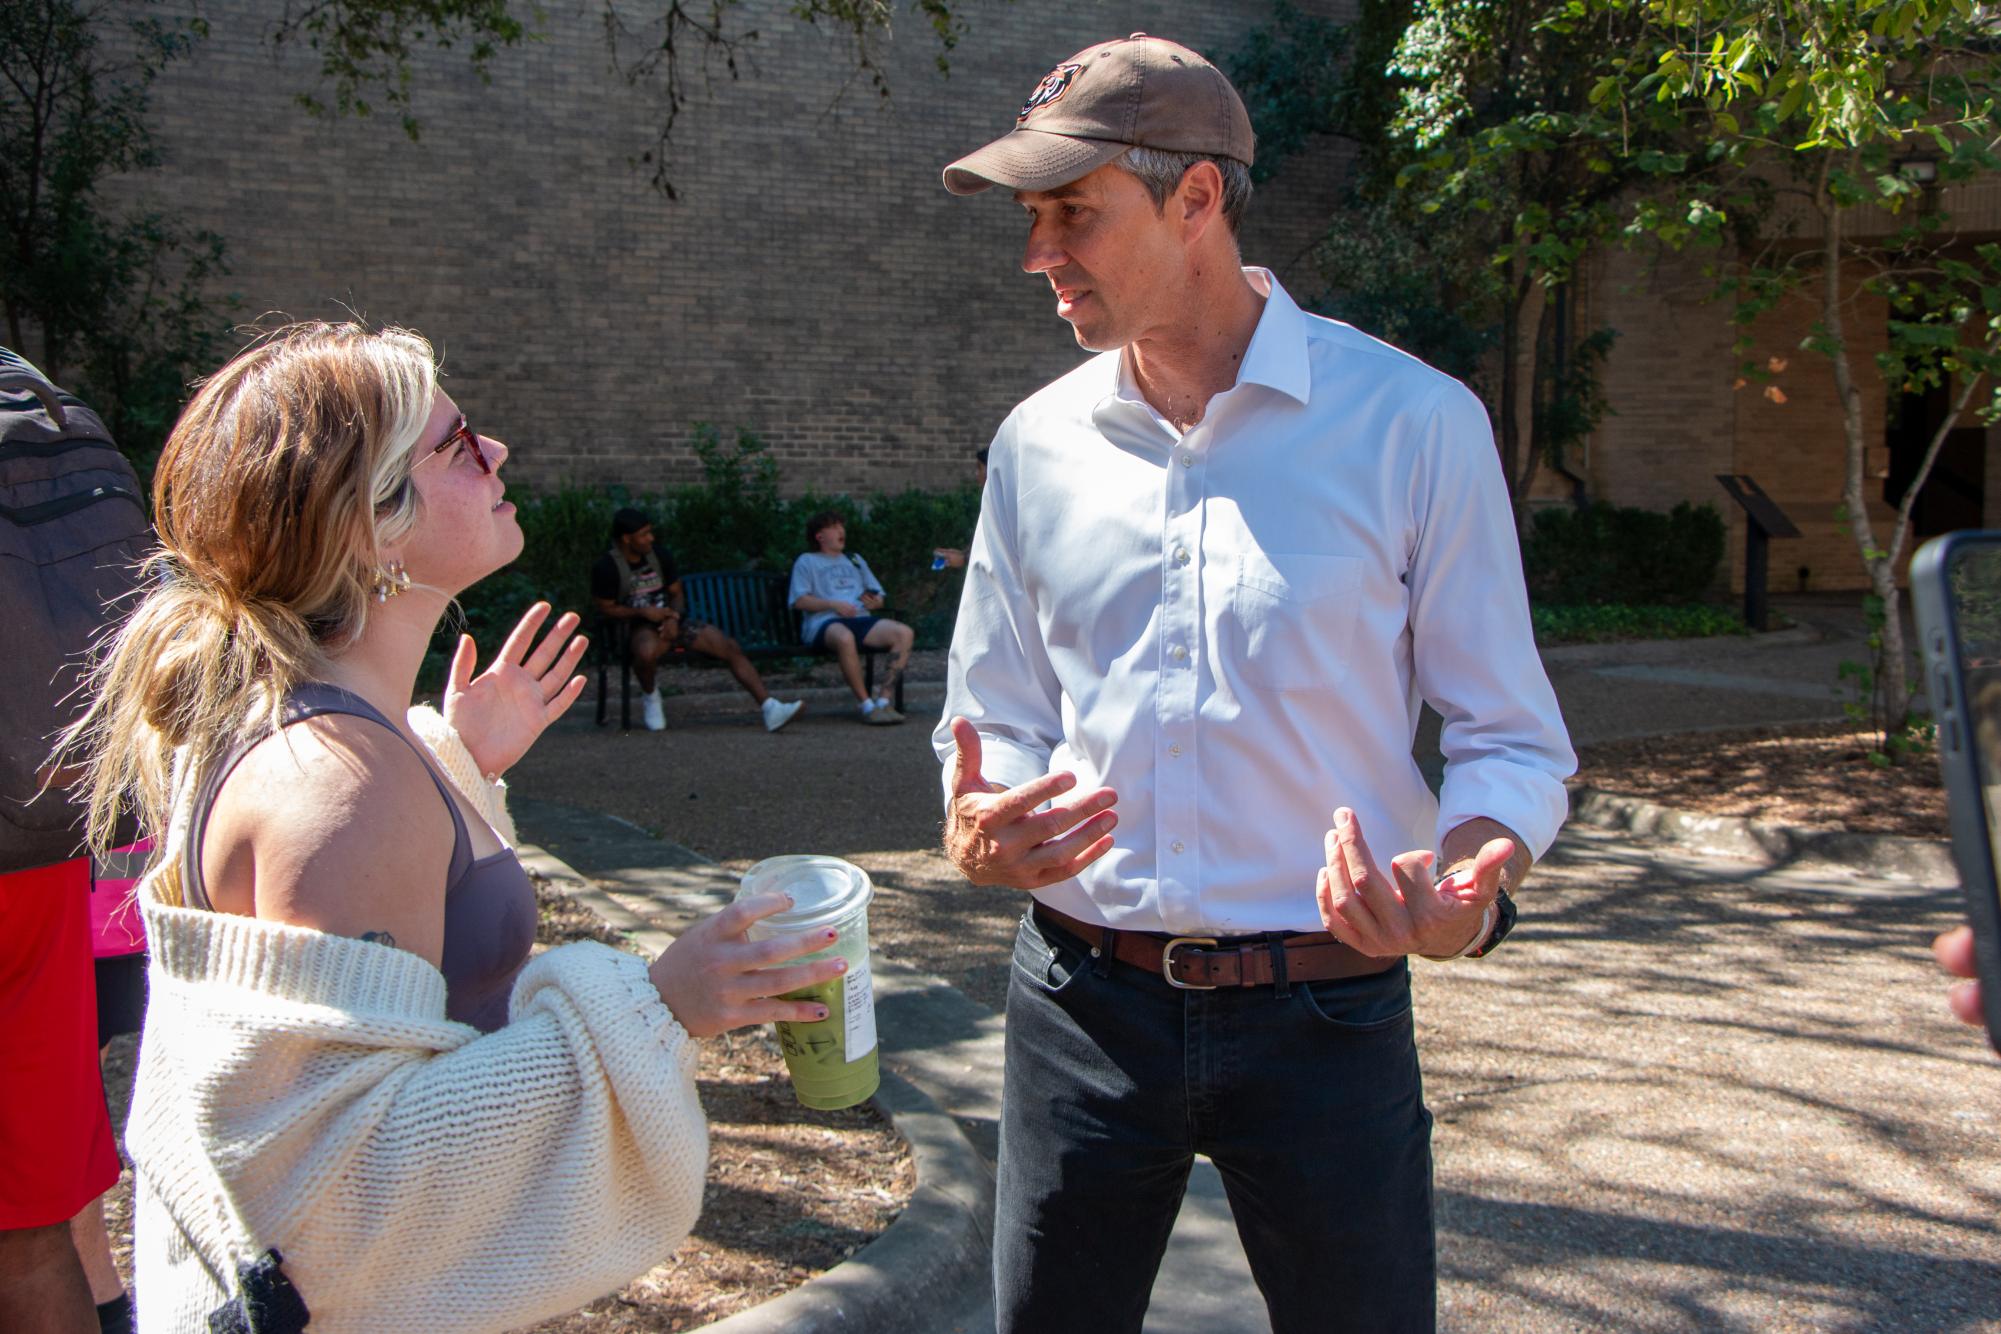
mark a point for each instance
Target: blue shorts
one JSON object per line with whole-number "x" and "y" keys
{"x": 861, "y": 625}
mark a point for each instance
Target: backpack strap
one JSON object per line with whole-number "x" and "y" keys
{"x": 17, "y": 382}
{"x": 626, "y": 583}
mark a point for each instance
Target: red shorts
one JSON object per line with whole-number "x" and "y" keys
{"x": 56, "y": 1151}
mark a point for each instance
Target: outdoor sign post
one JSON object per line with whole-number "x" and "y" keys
{"x": 1763, "y": 522}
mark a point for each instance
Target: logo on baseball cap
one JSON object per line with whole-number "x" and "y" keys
{"x": 1136, "y": 91}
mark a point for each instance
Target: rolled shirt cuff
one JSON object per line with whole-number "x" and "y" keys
{"x": 1528, "y": 801}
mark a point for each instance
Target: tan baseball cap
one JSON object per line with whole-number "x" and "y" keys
{"x": 1133, "y": 91}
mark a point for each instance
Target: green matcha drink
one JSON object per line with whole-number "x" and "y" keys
{"x": 834, "y": 1060}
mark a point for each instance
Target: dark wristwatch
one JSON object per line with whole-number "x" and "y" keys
{"x": 1504, "y": 922}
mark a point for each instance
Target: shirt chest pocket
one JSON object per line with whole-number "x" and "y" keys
{"x": 1290, "y": 623}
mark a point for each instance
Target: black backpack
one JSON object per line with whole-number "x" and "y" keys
{"x": 72, "y": 532}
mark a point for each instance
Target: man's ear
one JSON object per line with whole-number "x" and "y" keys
{"x": 1200, "y": 199}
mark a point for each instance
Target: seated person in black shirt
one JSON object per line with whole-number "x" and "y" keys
{"x": 637, "y": 581}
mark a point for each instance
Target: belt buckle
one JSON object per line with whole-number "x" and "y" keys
{"x": 1167, "y": 961}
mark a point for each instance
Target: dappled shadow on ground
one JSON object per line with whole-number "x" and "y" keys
{"x": 1651, "y": 1273}
{"x": 1694, "y": 1094}
{"x": 1688, "y": 1093}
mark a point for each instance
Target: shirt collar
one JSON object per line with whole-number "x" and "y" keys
{"x": 1277, "y": 357}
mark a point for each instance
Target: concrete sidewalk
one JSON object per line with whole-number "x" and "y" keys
{"x": 1691, "y": 1092}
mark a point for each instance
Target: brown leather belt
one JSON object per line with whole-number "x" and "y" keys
{"x": 1200, "y": 963}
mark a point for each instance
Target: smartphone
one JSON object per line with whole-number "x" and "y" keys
{"x": 1956, "y": 595}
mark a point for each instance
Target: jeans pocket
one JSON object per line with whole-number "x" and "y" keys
{"x": 1049, "y": 964}
{"x": 1377, "y": 1003}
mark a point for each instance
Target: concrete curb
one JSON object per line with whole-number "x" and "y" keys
{"x": 1641, "y": 650}
{"x": 934, "y": 1258}
{"x": 1890, "y": 856}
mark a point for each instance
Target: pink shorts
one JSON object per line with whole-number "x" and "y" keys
{"x": 56, "y": 1150}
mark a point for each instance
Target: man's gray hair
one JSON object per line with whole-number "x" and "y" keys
{"x": 1161, "y": 171}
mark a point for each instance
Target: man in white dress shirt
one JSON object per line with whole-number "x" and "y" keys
{"x": 1218, "y": 568}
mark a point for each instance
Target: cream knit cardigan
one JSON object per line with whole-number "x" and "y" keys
{"x": 305, "y": 1091}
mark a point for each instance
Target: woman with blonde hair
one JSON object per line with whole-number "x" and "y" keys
{"x": 354, "y": 1099}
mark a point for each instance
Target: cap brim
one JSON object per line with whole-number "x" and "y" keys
{"x": 1029, "y": 160}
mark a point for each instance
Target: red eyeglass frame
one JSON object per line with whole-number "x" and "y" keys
{"x": 463, "y": 432}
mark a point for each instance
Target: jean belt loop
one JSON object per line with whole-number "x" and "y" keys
{"x": 1101, "y": 957}
{"x": 1280, "y": 987}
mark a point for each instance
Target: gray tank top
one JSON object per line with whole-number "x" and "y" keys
{"x": 489, "y": 902}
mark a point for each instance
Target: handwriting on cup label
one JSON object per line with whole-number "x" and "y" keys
{"x": 847, "y": 1033}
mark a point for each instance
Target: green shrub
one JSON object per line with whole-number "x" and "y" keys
{"x": 733, "y": 519}
{"x": 1606, "y": 554}
{"x": 1596, "y": 622}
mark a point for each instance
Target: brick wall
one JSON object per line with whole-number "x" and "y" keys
{"x": 1680, "y": 418}
{"x": 815, "y": 283}
{"x": 1796, "y": 448}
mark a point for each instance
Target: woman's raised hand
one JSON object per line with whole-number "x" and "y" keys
{"x": 714, "y": 978}
{"x": 527, "y": 686}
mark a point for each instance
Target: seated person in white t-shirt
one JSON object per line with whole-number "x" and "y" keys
{"x": 838, "y": 593}
{"x": 636, "y": 581}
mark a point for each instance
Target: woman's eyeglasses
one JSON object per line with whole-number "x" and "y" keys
{"x": 463, "y": 434}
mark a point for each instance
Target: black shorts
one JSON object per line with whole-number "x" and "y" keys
{"x": 861, "y": 625}
{"x": 121, "y": 995}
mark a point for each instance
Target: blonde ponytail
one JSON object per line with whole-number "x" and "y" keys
{"x": 275, "y": 492}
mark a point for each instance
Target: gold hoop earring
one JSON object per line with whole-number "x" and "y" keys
{"x": 391, "y": 580}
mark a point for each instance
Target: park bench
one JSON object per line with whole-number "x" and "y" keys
{"x": 749, "y": 606}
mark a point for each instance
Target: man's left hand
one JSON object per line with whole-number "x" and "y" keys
{"x": 872, "y": 602}
{"x": 1405, "y": 912}
{"x": 499, "y": 713}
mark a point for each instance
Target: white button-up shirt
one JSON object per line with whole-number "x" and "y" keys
{"x": 1234, "y": 627}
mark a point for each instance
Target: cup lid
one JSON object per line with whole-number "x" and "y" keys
{"x": 823, "y": 889}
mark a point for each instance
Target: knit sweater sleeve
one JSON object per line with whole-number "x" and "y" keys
{"x": 412, "y": 1171}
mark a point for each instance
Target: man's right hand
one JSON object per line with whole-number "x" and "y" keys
{"x": 995, "y": 836}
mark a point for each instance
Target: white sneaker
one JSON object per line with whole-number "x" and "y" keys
{"x": 776, "y": 715}
{"x": 650, "y": 710}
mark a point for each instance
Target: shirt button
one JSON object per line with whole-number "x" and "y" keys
{"x": 1181, "y": 555}
{"x": 1175, "y": 751}
{"x": 1187, "y": 459}
{"x": 1176, "y": 845}
{"x": 1180, "y": 653}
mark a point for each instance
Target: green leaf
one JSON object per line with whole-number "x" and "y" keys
{"x": 1790, "y": 103}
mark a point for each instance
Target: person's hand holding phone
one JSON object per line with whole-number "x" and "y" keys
{"x": 1954, "y": 952}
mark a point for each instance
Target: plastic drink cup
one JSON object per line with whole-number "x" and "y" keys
{"x": 834, "y": 1062}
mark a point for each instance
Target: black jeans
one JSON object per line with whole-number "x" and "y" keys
{"x": 1308, "y": 1101}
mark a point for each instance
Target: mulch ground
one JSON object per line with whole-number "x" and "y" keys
{"x": 791, "y": 1192}
{"x": 1812, "y": 776}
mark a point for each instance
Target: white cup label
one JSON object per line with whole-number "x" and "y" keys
{"x": 858, "y": 1007}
